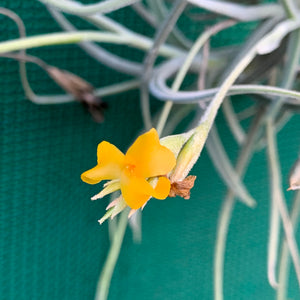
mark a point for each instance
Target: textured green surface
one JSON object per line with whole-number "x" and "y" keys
{"x": 51, "y": 244}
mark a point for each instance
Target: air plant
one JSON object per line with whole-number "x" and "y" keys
{"x": 265, "y": 66}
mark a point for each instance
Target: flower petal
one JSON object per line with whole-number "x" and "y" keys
{"x": 136, "y": 191}
{"x": 162, "y": 189}
{"x": 149, "y": 157}
{"x": 110, "y": 164}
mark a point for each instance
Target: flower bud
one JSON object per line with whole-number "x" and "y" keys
{"x": 190, "y": 152}
{"x": 175, "y": 142}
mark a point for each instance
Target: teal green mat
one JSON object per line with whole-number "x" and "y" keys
{"x": 52, "y": 246}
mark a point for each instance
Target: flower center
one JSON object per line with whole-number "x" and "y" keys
{"x": 130, "y": 168}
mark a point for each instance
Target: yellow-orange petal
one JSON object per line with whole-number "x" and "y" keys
{"x": 110, "y": 164}
{"x": 162, "y": 189}
{"x": 149, "y": 157}
{"x": 136, "y": 191}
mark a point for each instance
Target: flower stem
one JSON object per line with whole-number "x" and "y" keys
{"x": 110, "y": 263}
{"x": 200, "y": 42}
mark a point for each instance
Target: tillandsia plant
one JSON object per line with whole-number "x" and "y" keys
{"x": 265, "y": 66}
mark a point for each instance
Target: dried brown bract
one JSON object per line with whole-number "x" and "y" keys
{"x": 182, "y": 188}
{"x": 82, "y": 91}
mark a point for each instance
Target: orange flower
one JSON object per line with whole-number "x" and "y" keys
{"x": 146, "y": 158}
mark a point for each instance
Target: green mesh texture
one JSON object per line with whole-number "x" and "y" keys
{"x": 51, "y": 244}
